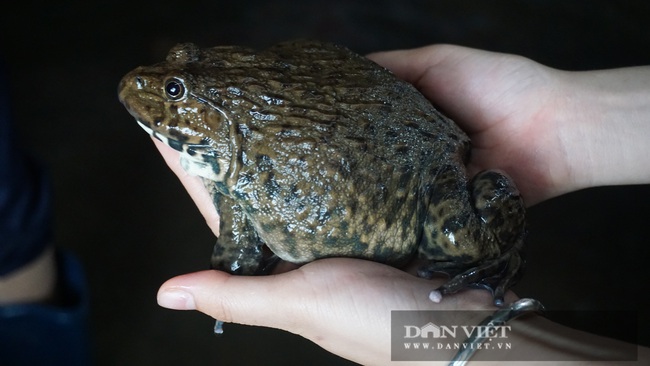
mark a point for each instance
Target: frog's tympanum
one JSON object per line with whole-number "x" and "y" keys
{"x": 314, "y": 151}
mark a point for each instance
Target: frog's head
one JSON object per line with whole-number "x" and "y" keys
{"x": 170, "y": 101}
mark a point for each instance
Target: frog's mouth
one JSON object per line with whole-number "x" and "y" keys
{"x": 197, "y": 159}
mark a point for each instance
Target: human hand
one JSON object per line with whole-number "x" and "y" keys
{"x": 343, "y": 305}
{"x": 552, "y": 131}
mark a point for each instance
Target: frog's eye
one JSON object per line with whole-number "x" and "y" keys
{"x": 174, "y": 89}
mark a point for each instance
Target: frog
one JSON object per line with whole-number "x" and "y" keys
{"x": 310, "y": 150}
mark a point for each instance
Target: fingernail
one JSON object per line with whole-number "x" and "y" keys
{"x": 176, "y": 299}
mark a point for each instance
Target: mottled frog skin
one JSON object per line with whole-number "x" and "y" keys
{"x": 315, "y": 151}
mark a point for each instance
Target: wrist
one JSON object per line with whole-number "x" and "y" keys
{"x": 604, "y": 126}
{"x": 540, "y": 339}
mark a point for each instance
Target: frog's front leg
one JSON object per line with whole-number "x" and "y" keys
{"x": 238, "y": 249}
{"x": 474, "y": 235}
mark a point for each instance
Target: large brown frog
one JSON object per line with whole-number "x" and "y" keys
{"x": 315, "y": 151}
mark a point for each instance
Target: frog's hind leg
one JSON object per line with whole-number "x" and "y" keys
{"x": 499, "y": 205}
{"x": 479, "y": 247}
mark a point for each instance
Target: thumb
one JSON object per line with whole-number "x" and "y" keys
{"x": 240, "y": 299}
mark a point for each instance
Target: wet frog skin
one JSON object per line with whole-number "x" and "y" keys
{"x": 315, "y": 151}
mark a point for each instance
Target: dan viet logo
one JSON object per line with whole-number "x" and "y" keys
{"x": 431, "y": 330}
{"x": 434, "y": 337}
{"x": 429, "y": 335}
{"x": 418, "y": 336}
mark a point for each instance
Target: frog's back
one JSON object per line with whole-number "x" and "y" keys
{"x": 308, "y": 92}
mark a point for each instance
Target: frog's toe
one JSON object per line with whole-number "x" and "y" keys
{"x": 218, "y": 327}
{"x": 508, "y": 277}
{"x": 479, "y": 276}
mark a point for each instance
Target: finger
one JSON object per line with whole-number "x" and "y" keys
{"x": 193, "y": 185}
{"x": 437, "y": 73}
{"x": 454, "y": 78}
{"x": 411, "y": 65}
{"x": 288, "y": 300}
{"x": 238, "y": 299}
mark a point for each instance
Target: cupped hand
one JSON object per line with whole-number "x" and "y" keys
{"x": 505, "y": 103}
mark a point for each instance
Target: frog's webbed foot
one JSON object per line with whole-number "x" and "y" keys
{"x": 246, "y": 260}
{"x": 243, "y": 260}
{"x": 496, "y": 275}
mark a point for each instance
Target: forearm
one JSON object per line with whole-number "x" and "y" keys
{"x": 538, "y": 339}
{"x": 605, "y": 128}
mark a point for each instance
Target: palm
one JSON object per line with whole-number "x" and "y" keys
{"x": 342, "y": 304}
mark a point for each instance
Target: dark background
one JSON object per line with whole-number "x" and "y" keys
{"x": 133, "y": 226}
